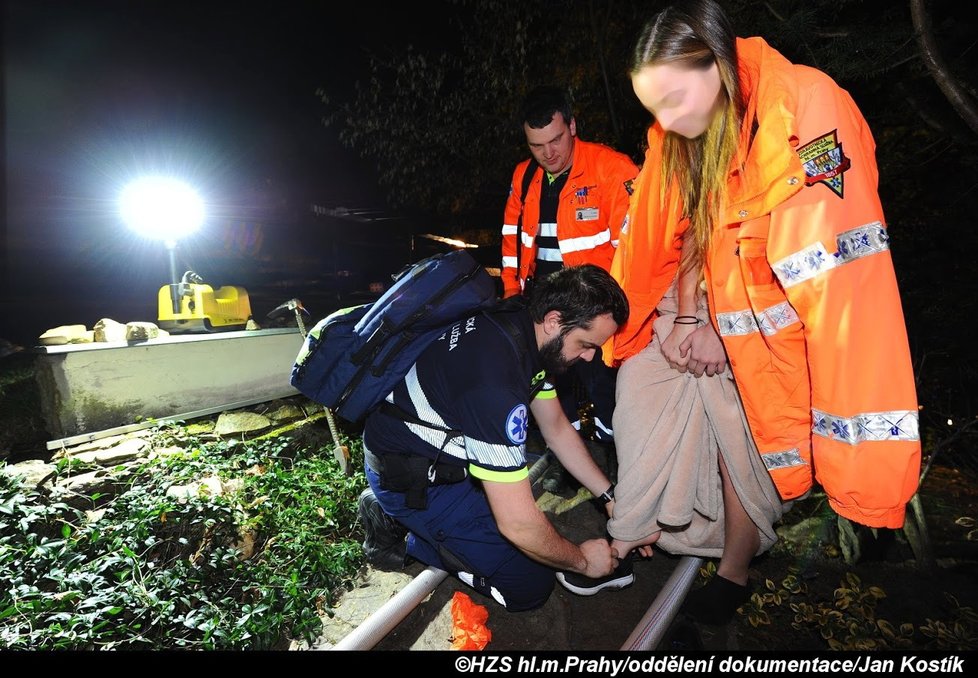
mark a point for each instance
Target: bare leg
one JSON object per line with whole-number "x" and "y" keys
{"x": 740, "y": 537}
{"x": 717, "y": 602}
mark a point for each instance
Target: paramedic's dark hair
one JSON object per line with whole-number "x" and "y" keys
{"x": 541, "y": 104}
{"x": 579, "y": 294}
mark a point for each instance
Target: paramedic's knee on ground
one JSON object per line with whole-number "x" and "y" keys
{"x": 455, "y": 532}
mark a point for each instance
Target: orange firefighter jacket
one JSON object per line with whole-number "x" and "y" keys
{"x": 591, "y": 210}
{"x": 801, "y": 288}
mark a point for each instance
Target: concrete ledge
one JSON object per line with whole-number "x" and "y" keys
{"x": 90, "y": 387}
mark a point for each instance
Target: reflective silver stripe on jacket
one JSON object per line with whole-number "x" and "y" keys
{"x": 799, "y": 267}
{"x": 493, "y": 454}
{"x": 768, "y": 321}
{"x": 736, "y": 323}
{"x": 425, "y": 412}
{"x": 469, "y": 578}
{"x": 896, "y": 425}
{"x": 786, "y": 459}
{"x": 547, "y": 229}
{"x": 814, "y": 259}
{"x": 585, "y": 242}
{"x": 772, "y": 319}
{"x": 490, "y": 454}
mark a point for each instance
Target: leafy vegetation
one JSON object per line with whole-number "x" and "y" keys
{"x": 248, "y": 562}
{"x": 21, "y": 424}
{"x": 849, "y": 621}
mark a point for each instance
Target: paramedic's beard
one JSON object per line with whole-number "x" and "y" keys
{"x": 552, "y": 356}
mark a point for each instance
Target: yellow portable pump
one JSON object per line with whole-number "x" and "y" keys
{"x": 194, "y": 306}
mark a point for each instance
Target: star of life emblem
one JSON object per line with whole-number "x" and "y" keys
{"x": 516, "y": 424}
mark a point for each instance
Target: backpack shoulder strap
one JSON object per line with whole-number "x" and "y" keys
{"x": 531, "y": 170}
{"x": 399, "y": 413}
{"x": 503, "y": 318}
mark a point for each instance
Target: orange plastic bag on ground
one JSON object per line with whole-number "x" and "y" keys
{"x": 469, "y": 631}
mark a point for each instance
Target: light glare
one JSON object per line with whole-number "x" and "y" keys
{"x": 162, "y": 208}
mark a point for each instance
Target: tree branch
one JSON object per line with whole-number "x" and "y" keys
{"x": 959, "y": 99}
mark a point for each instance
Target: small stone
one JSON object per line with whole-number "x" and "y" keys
{"x": 62, "y": 334}
{"x": 109, "y": 330}
{"x": 141, "y": 331}
{"x": 230, "y": 423}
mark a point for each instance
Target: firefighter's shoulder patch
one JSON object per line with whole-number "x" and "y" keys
{"x": 825, "y": 162}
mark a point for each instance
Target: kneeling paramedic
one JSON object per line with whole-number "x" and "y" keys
{"x": 445, "y": 454}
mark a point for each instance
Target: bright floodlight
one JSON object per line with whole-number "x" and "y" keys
{"x": 163, "y": 208}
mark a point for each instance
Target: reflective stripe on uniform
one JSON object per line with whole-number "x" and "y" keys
{"x": 499, "y": 476}
{"x": 799, "y": 267}
{"x": 814, "y": 259}
{"x": 548, "y": 254}
{"x": 585, "y": 242}
{"x": 896, "y": 425}
{"x": 767, "y": 321}
{"x": 495, "y": 454}
{"x": 426, "y": 412}
{"x": 784, "y": 459}
{"x": 772, "y": 319}
{"x": 492, "y": 454}
{"x": 468, "y": 578}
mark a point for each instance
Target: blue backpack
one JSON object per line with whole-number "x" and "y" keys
{"x": 354, "y": 357}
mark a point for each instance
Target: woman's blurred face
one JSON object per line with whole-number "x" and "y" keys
{"x": 683, "y": 100}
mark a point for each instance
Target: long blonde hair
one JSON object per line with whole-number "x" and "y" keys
{"x": 697, "y": 35}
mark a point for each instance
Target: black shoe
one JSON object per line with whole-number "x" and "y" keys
{"x": 716, "y": 602}
{"x": 384, "y": 544}
{"x": 583, "y": 585}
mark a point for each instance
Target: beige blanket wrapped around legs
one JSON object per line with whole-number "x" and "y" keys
{"x": 669, "y": 428}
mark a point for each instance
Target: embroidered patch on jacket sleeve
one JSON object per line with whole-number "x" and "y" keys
{"x": 824, "y": 162}
{"x": 516, "y": 424}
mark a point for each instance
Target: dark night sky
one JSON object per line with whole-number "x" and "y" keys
{"x": 96, "y": 93}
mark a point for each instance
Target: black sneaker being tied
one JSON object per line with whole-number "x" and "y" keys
{"x": 583, "y": 585}
{"x": 384, "y": 544}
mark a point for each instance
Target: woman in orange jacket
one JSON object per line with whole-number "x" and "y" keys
{"x": 767, "y": 171}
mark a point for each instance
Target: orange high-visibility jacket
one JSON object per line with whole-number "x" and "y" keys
{"x": 801, "y": 288}
{"x": 592, "y": 208}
